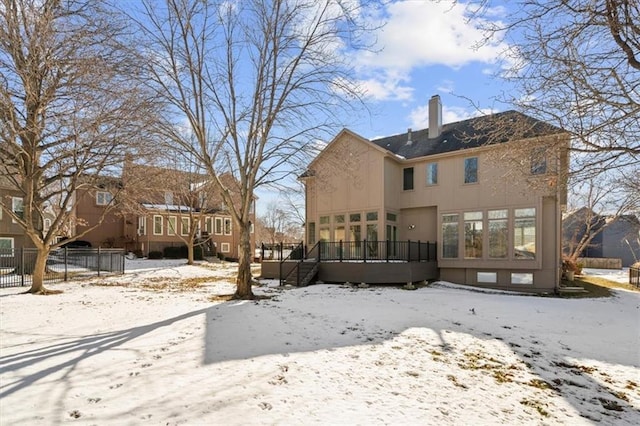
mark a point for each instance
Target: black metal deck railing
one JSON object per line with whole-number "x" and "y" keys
{"x": 377, "y": 251}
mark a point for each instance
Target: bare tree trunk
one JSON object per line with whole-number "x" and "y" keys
{"x": 243, "y": 280}
{"x": 190, "y": 253}
{"x": 39, "y": 270}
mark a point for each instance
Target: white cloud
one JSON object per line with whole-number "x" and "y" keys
{"x": 423, "y": 33}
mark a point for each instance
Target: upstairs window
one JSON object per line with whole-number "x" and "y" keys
{"x": 218, "y": 226}
{"x": 227, "y": 227}
{"x": 103, "y": 198}
{"x": 407, "y": 178}
{"x": 17, "y": 206}
{"x": 432, "y": 174}
{"x": 471, "y": 170}
{"x": 539, "y": 161}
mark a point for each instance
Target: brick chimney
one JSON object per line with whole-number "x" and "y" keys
{"x": 435, "y": 116}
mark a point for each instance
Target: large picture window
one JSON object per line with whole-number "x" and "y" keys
{"x": 471, "y": 170}
{"x": 498, "y": 233}
{"x": 524, "y": 233}
{"x": 450, "y": 236}
{"x": 473, "y": 234}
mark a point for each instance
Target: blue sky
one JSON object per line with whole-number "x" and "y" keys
{"x": 425, "y": 48}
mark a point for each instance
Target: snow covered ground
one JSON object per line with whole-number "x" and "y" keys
{"x": 153, "y": 347}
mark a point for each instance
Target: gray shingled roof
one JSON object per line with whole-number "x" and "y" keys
{"x": 471, "y": 133}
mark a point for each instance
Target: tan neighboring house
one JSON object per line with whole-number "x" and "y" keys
{"x": 154, "y": 208}
{"x": 489, "y": 192}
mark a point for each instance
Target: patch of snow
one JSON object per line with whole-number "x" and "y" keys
{"x": 153, "y": 346}
{"x": 616, "y": 275}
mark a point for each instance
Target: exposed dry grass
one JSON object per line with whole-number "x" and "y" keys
{"x": 596, "y": 287}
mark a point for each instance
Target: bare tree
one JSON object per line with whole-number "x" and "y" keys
{"x": 576, "y": 65}
{"x": 597, "y": 204}
{"x": 68, "y": 109}
{"x": 257, "y": 82}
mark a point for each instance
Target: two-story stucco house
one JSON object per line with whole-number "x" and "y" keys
{"x": 488, "y": 191}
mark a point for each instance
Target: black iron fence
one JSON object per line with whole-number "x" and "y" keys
{"x": 634, "y": 276}
{"x": 281, "y": 251}
{"x": 16, "y": 265}
{"x": 377, "y": 251}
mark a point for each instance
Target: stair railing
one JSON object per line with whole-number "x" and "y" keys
{"x": 296, "y": 251}
{"x": 314, "y": 253}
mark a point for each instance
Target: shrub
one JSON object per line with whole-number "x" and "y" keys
{"x": 182, "y": 252}
{"x": 155, "y": 255}
{"x": 220, "y": 256}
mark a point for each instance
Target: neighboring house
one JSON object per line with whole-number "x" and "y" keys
{"x": 615, "y": 237}
{"x": 153, "y": 208}
{"x": 11, "y": 235}
{"x": 489, "y": 191}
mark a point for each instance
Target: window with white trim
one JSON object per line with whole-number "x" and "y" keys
{"x": 172, "y": 225}
{"x": 157, "y": 225}
{"x": 17, "y": 206}
{"x": 46, "y": 225}
{"x": 6, "y": 246}
{"x": 185, "y": 225}
{"x": 227, "y": 226}
{"x": 208, "y": 225}
{"x": 225, "y": 247}
{"x": 218, "y": 226}
{"x": 142, "y": 225}
{"x": 103, "y": 198}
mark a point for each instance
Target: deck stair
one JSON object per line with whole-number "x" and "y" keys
{"x": 303, "y": 274}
